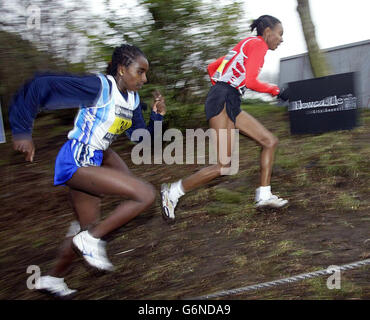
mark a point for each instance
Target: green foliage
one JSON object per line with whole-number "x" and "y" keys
{"x": 228, "y": 196}
{"x": 179, "y": 39}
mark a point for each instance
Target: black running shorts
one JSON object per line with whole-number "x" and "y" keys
{"x": 220, "y": 94}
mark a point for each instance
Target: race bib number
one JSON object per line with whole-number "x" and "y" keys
{"x": 120, "y": 125}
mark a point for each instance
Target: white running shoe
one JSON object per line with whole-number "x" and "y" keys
{"x": 54, "y": 286}
{"x": 272, "y": 202}
{"x": 168, "y": 204}
{"x": 92, "y": 250}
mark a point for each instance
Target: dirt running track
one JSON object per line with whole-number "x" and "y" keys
{"x": 219, "y": 241}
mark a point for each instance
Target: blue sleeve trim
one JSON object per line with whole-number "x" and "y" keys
{"x": 105, "y": 94}
{"x": 51, "y": 92}
{"x": 137, "y": 101}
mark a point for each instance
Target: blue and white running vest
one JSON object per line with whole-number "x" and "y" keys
{"x": 100, "y": 125}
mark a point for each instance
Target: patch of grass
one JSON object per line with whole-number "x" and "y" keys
{"x": 249, "y": 208}
{"x": 222, "y": 208}
{"x": 240, "y": 261}
{"x": 196, "y": 197}
{"x": 300, "y": 252}
{"x": 239, "y": 230}
{"x": 319, "y": 288}
{"x": 305, "y": 203}
{"x": 321, "y": 291}
{"x": 227, "y": 196}
{"x": 286, "y": 161}
{"x": 349, "y": 169}
{"x": 303, "y": 178}
{"x": 345, "y": 201}
{"x": 258, "y": 243}
{"x": 284, "y": 247}
{"x": 261, "y": 111}
{"x": 182, "y": 225}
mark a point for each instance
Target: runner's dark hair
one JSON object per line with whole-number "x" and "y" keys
{"x": 123, "y": 55}
{"x": 264, "y": 22}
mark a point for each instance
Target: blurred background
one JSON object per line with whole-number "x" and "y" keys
{"x": 179, "y": 37}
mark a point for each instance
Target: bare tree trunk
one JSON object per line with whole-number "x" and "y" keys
{"x": 319, "y": 65}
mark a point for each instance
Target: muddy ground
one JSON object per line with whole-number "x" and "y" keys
{"x": 219, "y": 241}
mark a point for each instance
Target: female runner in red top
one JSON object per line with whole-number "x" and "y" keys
{"x": 231, "y": 75}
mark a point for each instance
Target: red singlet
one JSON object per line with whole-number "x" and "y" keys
{"x": 241, "y": 66}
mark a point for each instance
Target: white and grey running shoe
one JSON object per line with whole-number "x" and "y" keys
{"x": 272, "y": 202}
{"x": 92, "y": 250}
{"x": 168, "y": 204}
{"x": 54, "y": 286}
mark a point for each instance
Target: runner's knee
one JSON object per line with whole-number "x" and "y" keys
{"x": 147, "y": 194}
{"x": 270, "y": 142}
{"x": 151, "y": 194}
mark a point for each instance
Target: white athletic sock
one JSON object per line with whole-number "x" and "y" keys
{"x": 176, "y": 190}
{"x": 73, "y": 229}
{"x": 91, "y": 237}
{"x": 263, "y": 193}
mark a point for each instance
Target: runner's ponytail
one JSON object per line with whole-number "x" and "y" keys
{"x": 264, "y": 22}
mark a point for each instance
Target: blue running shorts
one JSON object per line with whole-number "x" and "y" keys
{"x": 73, "y": 155}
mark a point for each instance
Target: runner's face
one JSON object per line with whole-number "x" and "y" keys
{"x": 134, "y": 76}
{"x": 274, "y": 36}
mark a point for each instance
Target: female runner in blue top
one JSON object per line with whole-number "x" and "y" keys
{"x": 109, "y": 105}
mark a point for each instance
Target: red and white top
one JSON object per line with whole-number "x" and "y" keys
{"x": 241, "y": 66}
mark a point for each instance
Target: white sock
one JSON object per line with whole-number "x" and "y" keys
{"x": 176, "y": 190}
{"x": 91, "y": 237}
{"x": 263, "y": 193}
{"x": 73, "y": 229}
